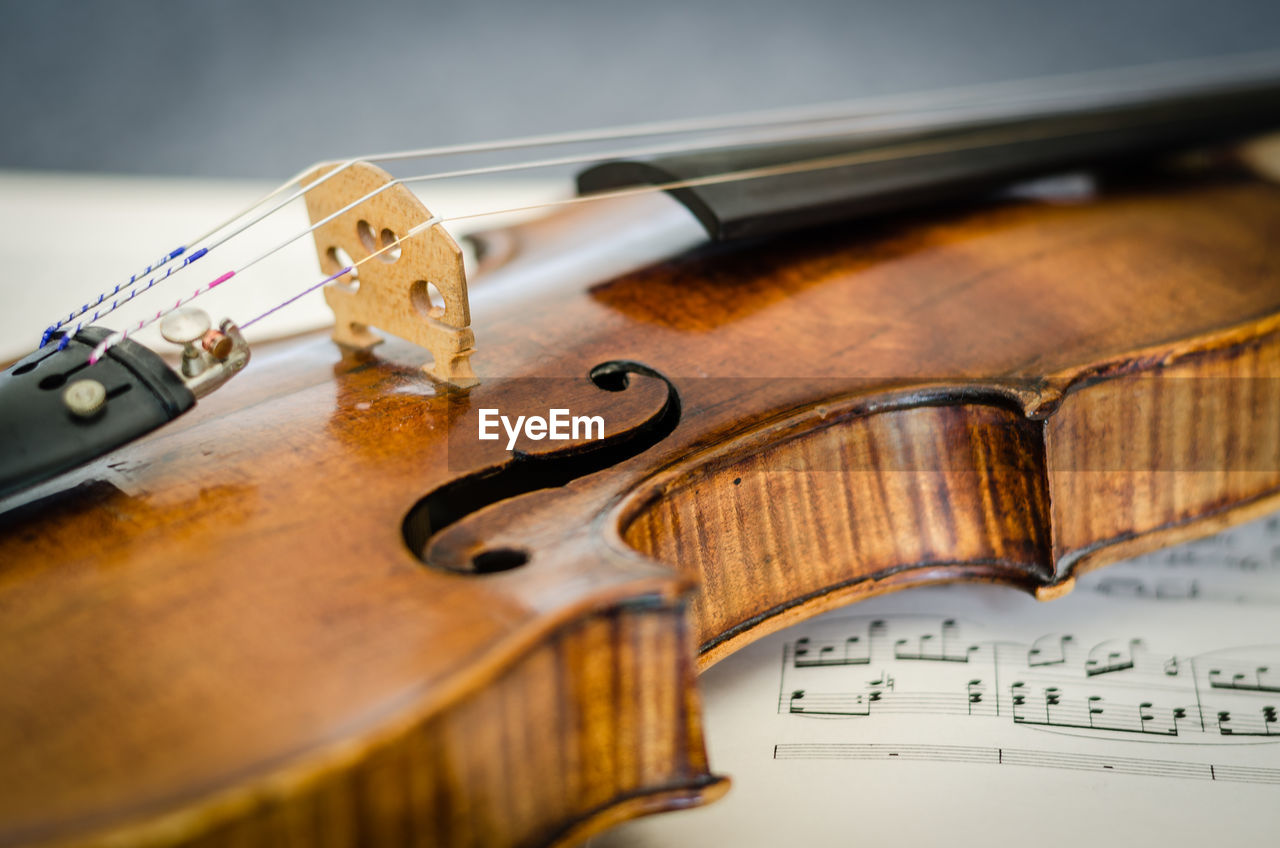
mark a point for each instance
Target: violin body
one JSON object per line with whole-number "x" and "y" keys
{"x": 318, "y": 609}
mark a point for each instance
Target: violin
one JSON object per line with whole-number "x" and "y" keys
{"x": 452, "y": 582}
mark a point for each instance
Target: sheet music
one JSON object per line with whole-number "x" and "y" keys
{"x": 1141, "y": 708}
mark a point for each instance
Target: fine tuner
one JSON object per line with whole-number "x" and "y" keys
{"x": 209, "y": 357}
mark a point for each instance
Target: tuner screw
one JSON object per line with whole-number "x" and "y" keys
{"x": 186, "y": 327}
{"x": 85, "y": 398}
{"x": 217, "y": 343}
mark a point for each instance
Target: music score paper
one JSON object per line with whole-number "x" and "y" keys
{"x": 1141, "y": 709}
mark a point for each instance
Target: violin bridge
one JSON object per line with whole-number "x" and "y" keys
{"x": 416, "y": 290}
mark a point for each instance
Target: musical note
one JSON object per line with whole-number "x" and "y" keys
{"x": 854, "y": 650}
{"x": 1053, "y": 708}
{"x": 989, "y": 680}
{"x": 1107, "y": 657}
{"x": 1240, "y": 680}
{"x": 883, "y": 680}
{"x": 1119, "y": 687}
{"x": 854, "y": 653}
{"x": 1236, "y": 724}
{"x": 1145, "y": 715}
{"x": 939, "y": 647}
{"x": 1049, "y": 650}
{"x": 831, "y": 705}
{"x": 975, "y": 690}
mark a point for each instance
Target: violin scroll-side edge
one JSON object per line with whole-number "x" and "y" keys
{"x": 1026, "y": 483}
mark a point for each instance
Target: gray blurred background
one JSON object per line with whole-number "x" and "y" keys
{"x": 258, "y": 88}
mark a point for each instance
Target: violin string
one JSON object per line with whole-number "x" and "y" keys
{"x": 469, "y": 172}
{"x": 820, "y": 113}
{"x": 163, "y": 260}
{"x": 180, "y": 251}
{"x": 823, "y": 163}
{"x": 747, "y": 120}
{"x": 115, "y": 304}
{"x": 893, "y": 151}
{"x": 392, "y": 245}
{"x": 711, "y": 143}
{"x": 840, "y": 110}
{"x": 595, "y": 156}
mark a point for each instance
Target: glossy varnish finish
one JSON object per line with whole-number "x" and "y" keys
{"x": 1030, "y": 487}
{"x": 220, "y": 635}
{"x": 613, "y": 715}
{"x": 848, "y": 503}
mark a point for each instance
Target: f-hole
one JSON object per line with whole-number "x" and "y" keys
{"x": 529, "y": 473}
